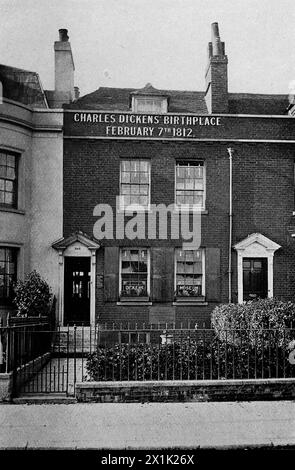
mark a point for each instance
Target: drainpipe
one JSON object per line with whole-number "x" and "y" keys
{"x": 230, "y": 153}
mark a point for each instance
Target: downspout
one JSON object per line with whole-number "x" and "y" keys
{"x": 230, "y": 153}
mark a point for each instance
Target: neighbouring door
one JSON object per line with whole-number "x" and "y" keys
{"x": 77, "y": 291}
{"x": 254, "y": 278}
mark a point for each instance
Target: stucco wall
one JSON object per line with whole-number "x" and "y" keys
{"x": 46, "y": 198}
{"x": 37, "y": 222}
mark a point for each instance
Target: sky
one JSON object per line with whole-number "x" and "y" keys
{"x": 128, "y": 43}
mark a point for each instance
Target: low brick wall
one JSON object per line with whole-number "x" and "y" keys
{"x": 186, "y": 391}
{"x": 24, "y": 374}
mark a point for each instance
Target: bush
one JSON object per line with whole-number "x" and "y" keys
{"x": 189, "y": 360}
{"x": 32, "y": 296}
{"x": 260, "y": 323}
{"x": 185, "y": 360}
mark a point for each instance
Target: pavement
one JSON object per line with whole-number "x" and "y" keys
{"x": 210, "y": 425}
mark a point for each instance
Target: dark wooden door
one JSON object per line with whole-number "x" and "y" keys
{"x": 254, "y": 278}
{"x": 77, "y": 290}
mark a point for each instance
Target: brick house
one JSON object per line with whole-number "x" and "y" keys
{"x": 221, "y": 162}
{"x": 228, "y": 156}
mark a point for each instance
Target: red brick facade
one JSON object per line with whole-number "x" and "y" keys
{"x": 263, "y": 201}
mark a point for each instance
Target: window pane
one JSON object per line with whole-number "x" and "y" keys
{"x": 7, "y": 273}
{"x": 144, "y": 166}
{"x": 144, "y": 189}
{"x": 11, "y": 160}
{"x": 8, "y": 198}
{"x": 198, "y": 184}
{"x": 125, "y": 178}
{"x": 9, "y": 186}
{"x": 143, "y": 201}
{"x": 135, "y": 178}
{"x": 134, "y": 272}
{"x": 125, "y": 165}
{"x": 135, "y": 189}
{"x": 10, "y": 173}
{"x": 7, "y": 177}
{"x": 134, "y": 199}
{"x": 189, "y": 184}
{"x": 189, "y": 273}
{"x": 144, "y": 178}
{"x": 135, "y": 181}
{"x": 2, "y": 159}
{"x": 134, "y": 165}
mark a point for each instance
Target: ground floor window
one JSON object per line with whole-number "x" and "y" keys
{"x": 8, "y": 260}
{"x": 134, "y": 337}
{"x": 134, "y": 272}
{"x": 189, "y": 270}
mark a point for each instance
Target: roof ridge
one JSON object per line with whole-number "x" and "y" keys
{"x": 19, "y": 69}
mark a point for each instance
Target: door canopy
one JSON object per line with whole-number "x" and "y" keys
{"x": 77, "y": 237}
{"x": 256, "y": 245}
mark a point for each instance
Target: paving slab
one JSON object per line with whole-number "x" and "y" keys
{"x": 147, "y": 426}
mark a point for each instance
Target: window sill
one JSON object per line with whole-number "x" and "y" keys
{"x": 190, "y": 210}
{"x": 11, "y": 209}
{"x": 190, "y": 301}
{"x": 134, "y": 302}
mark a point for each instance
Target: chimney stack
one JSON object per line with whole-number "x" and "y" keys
{"x": 64, "y": 70}
{"x": 216, "y": 94}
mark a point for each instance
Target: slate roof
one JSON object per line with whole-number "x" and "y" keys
{"x": 118, "y": 99}
{"x": 22, "y": 86}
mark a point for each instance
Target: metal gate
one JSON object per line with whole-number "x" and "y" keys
{"x": 47, "y": 361}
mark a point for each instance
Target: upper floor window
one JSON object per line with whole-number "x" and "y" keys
{"x": 135, "y": 184}
{"x": 7, "y": 273}
{"x": 149, "y": 105}
{"x": 149, "y": 100}
{"x": 134, "y": 272}
{"x": 8, "y": 179}
{"x": 190, "y": 184}
{"x": 189, "y": 270}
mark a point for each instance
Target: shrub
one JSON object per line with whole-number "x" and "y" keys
{"x": 32, "y": 296}
{"x": 207, "y": 358}
{"x": 185, "y": 360}
{"x": 260, "y": 323}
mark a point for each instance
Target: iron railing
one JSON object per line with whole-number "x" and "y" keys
{"x": 46, "y": 360}
{"x": 167, "y": 352}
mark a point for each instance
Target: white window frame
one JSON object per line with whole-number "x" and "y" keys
{"x": 191, "y": 299}
{"x": 135, "y": 299}
{"x": 135, "y": 207}
{"x": 187, "y": 207}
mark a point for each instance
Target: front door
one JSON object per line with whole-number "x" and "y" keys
{"x": 254, "y": 278}
{"x": 77, "y": 290}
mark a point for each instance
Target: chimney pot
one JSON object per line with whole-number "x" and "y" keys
{"x": 215, "y": 30}
{"x": 63, "y": 35}
{"x": 76, "y": 92}
{"x": 217, "y": 48}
